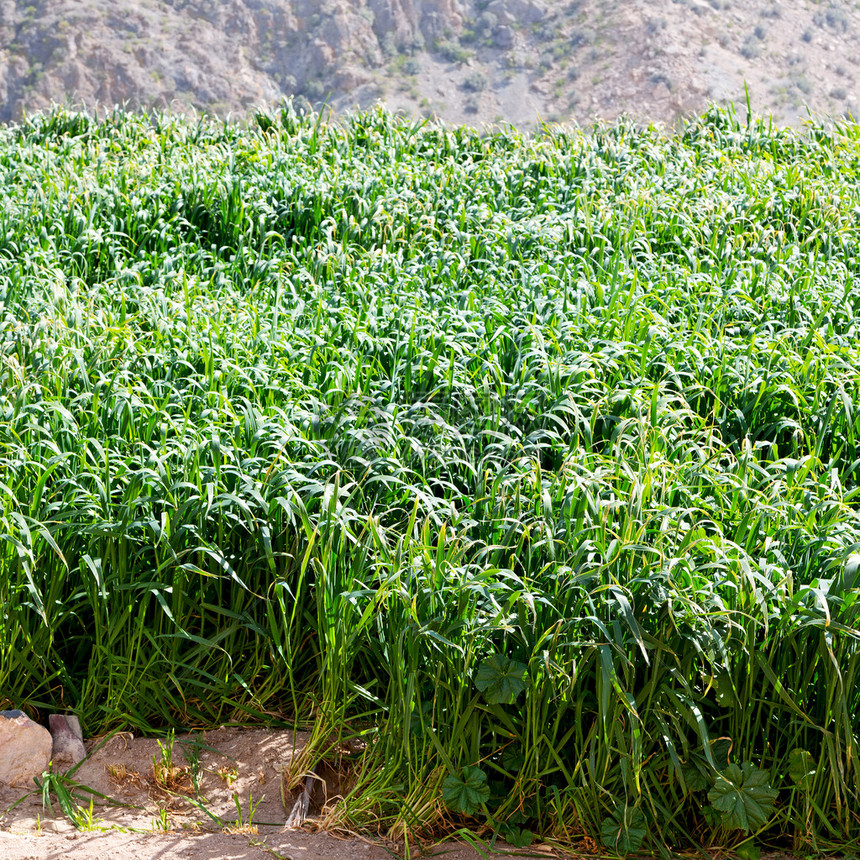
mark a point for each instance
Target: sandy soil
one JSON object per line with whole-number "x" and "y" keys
{"x": 248, "y": 766}
{"x": 115, "y": 845}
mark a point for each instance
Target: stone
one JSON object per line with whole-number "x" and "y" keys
{"x": 25, "y": 749}
{"x": 504, "y": 37}
{"x": 68, "y": 745}
{"x": 525, "y": 11}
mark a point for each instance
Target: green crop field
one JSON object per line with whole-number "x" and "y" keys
{"x": 528, "y": 465}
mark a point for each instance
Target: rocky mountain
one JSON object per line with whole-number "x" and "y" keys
{"x": 474, "y": 61}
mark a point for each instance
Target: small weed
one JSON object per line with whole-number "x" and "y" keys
{"x": 120, "y": 774}
{"x": 67, "y": 793}
{"x": 192, "y": 756}
{"x": 228, "y": 774}
{"x": 475, "y": 82}
{"x": 165, "y": 774}
{"x": 802, "y": 83}
{"x": 834, "y": 18}
{"x": 750, "y": 48}
{"x": 241, "y": 824}
{"x": 453, "y": 52}
{"x": 580, "y": 37}
{"x": 86, "y": 820}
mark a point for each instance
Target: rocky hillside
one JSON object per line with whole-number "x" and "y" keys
{"x": 475, "y": 61}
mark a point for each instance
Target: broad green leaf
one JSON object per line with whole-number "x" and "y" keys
{"x": 723, "y": 689}
{"x": 513, "y": 759}
{"x": 712, "y": 816}
{"x": 801, "y": 767}
{"x": 519, "y": 837}
{"x": 467, "y": 791}
{"x": 721, "y": 749}
{"x": 695, "y": 777}
{"x": 748, "y": 851}
{"x": 623, "y": 831}
{"x": 743, "y": 797}
{"x": 500, "y": 679}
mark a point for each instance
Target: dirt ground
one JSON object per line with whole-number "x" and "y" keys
{"x": 237, "y": 771}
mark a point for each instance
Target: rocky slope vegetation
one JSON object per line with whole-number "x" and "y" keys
{"x": 475, "y": 61}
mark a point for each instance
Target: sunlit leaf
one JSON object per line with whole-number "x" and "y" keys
{"x": 801, "y": 767}
{"x": 500, "y": 679}
{"x": 743, "y": 797}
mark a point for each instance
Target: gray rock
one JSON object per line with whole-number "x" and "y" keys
{"x": 68, "y": 746}
{"x": 504, "y": 37}
{"x": 11, "y": 715}
{"x": 524, "y": 11}
{"x": 25, "y": 748}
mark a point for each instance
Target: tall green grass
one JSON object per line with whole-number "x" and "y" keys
{"x": 533, "y": 461}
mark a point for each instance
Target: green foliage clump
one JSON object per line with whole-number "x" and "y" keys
{"x": 531, "y": 460}
{"x": 453, "y": 51}
{"x": 475, "y": 82}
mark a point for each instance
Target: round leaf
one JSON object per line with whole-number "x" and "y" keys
{"x": 743, "y": 797}
{"x": 500, "y": 679}
{"x": 513, "y": 759}
{"x": 801, "y": 768}
{"x": 624, "y": 831}
{"x": 467, "y": 791}
{"x": 696, "y": 776}
{"x": 519, "y": 837}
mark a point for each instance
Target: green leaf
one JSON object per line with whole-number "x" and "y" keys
{"x": 623, "y": 831}
{"x": 696, "y": 775}
{"x": 724, "y": 690}
{"x": 513, "y": 759}
{"x": 466, "y": 791}
{"x": 519, "y": 837}
{"x": 743, "y": 797}
{"x": 711, "y": 816}
{"x": 500, "y": 679}
{"x": 801, "y": 768}
{"x": 720, "y": 750}
{"x": 748, "y": 851}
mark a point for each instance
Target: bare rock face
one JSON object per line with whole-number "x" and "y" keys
{"x": 396, "y": 19}
{"x": 225, "y": 56}
{"x": 68, "y": 745}
{"x": 411, "y": 23}
{"x": 25, "y": 748}
{"x": 527, "y": 11}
